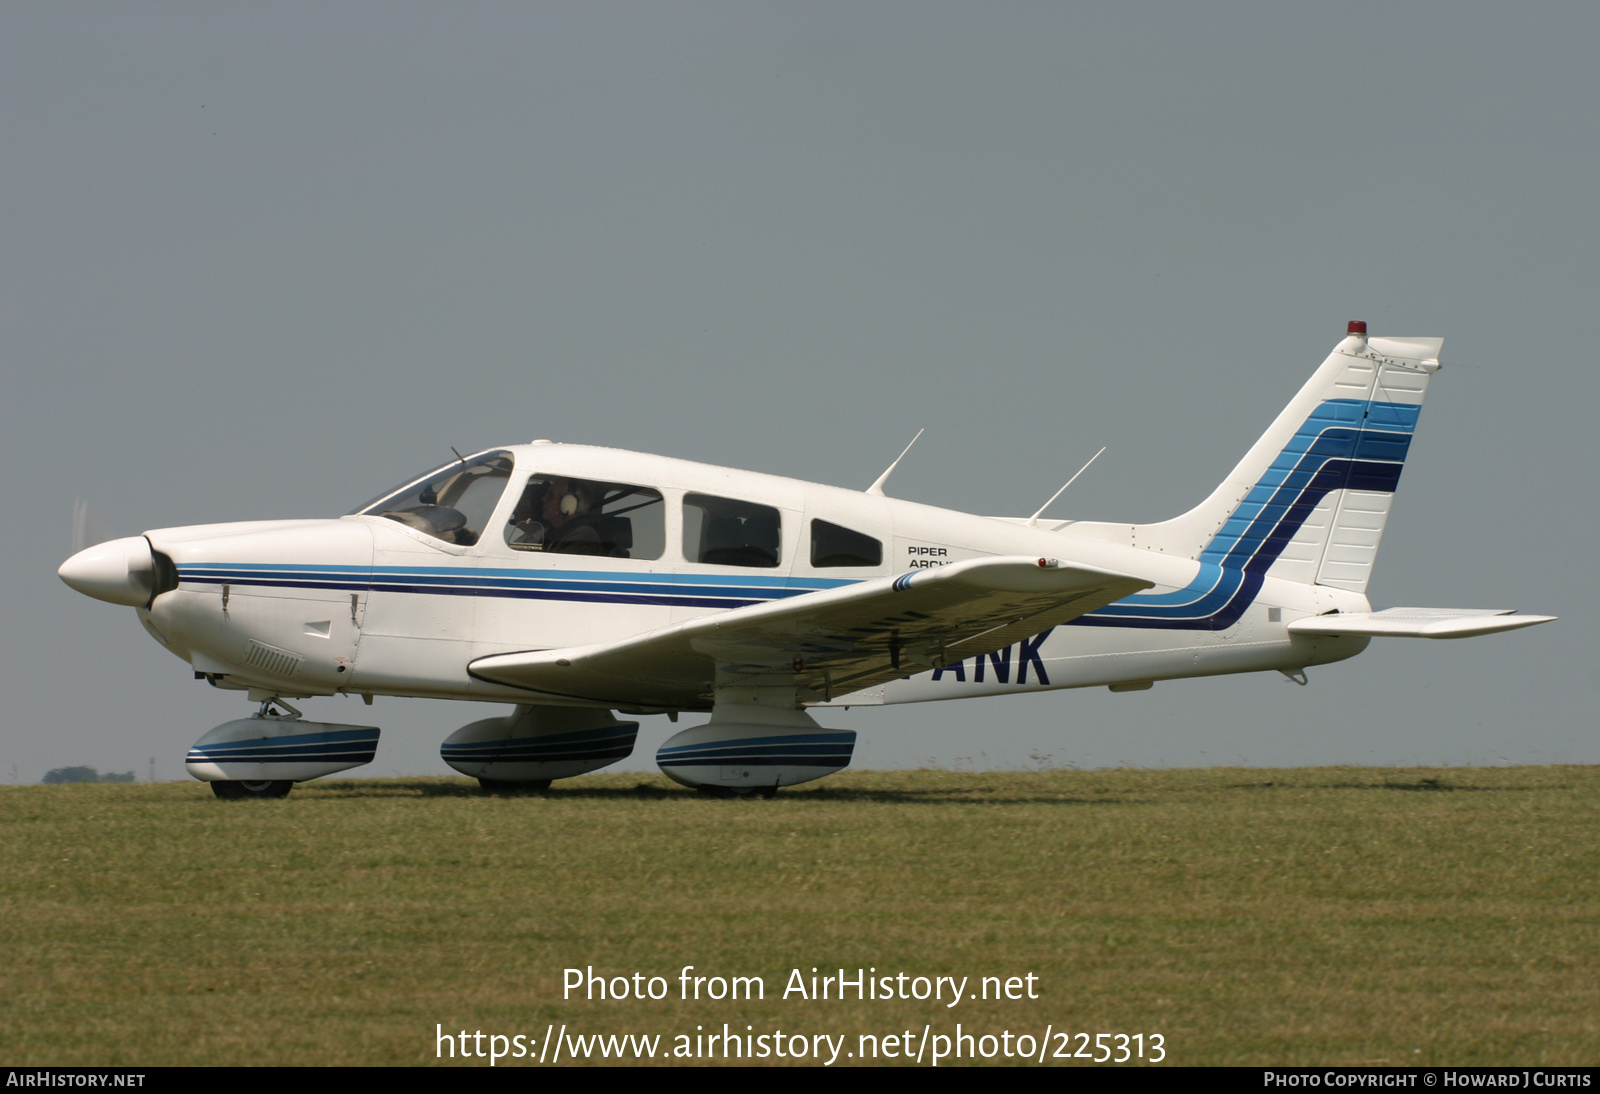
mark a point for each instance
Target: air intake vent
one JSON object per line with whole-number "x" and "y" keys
{"x": 272, "y": 660}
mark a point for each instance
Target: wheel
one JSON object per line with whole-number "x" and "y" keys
{"x": 504, "y": 786}
{"x": 711, "y": 791}
{"x": 239, "y": 790}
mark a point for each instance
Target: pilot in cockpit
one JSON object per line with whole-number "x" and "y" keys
{"x": 555, "y": 515}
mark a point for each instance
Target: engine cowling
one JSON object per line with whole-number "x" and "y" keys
{"x": 269, "y": 747}
{"x": 537, "y": 744}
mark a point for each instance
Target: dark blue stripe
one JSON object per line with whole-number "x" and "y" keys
{"x": 838, "y": 736}
{"x": 508, "y": 594}
{"x": 538, "y": 755}
{"x": 1343, "y": 444}
{"x": 341, "y": 745}
{"x": 586, "y": 598}
{"x": 838, "y": 760}
{"x": 610, "y": 742}
{"x": 712, "y": 751}
{"x": 690, "y": 590}
{"x": 334, "y": 756}
{"x": 518, "y": 574}
{"x": 832, "y": 749}
{"x": 256, "y": 747}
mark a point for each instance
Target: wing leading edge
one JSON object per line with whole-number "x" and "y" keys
{"x": 826, "y": 643}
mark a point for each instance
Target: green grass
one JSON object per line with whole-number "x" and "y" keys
{"x": 1315, "y": 916}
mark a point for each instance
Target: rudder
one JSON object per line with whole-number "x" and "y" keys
{"x": 1309, "y": 501}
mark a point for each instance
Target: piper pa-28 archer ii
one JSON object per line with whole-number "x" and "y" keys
{"x": 579, "y": 582}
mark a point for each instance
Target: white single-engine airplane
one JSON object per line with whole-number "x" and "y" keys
{"x": 576, "y": 581}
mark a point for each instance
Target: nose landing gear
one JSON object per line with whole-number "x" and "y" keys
{"x": 263, "y": 756}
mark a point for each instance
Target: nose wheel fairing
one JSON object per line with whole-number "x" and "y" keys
{"x": 270, "y": 748}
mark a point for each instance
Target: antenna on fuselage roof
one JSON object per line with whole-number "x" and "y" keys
{"x": 1034, "y": 520}
{"x": 877, "y": 487}
{"x": 459, "y": 456}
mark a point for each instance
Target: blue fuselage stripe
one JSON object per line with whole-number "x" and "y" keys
{"x": 1343, "y": 444}
{"x": 677, "y": 590}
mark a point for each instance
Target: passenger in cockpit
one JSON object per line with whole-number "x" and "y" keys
{"x": 556, "y": 515}
{"x": 568, "y": 518}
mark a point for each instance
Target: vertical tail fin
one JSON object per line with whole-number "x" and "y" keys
{"x": 1309, "y": 500}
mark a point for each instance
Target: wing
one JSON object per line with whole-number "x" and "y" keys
{"x": 1418, "y": 622}
{"x": 825, "y": 643}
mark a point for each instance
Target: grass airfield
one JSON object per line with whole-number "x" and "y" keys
{"x": 1249, "y": 916}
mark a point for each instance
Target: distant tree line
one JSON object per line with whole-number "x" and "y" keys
{"x": 86, "y": 775}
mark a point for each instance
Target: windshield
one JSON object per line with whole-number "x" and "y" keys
{"x": 453, "y": 503}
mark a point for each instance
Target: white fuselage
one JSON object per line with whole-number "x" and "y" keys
{"x": 368, "y": 605}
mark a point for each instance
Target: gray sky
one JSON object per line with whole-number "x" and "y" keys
{"x": 266, "y": 260}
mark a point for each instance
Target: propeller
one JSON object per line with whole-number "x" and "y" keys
{"x": 88, "y": 529}
{"x": 119, "y": 571}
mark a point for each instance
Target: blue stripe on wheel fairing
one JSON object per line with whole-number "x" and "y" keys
{"x": 831, "y": 749}
{"x": 343, "y": 746}
{"x": 357, "y": 756}
{"x": 613, "y": 742}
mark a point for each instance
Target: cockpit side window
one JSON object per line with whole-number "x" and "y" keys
{"x": 725, "y": 532}
{"x": 452, "y": 504}
{"x": 585, "y": 517}
{"x": 832, "y": 545}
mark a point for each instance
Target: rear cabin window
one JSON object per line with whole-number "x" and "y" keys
{"x": 832, "y": 545}
{"x": 570, "y": 516}
{"x": 725, "y": 532}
